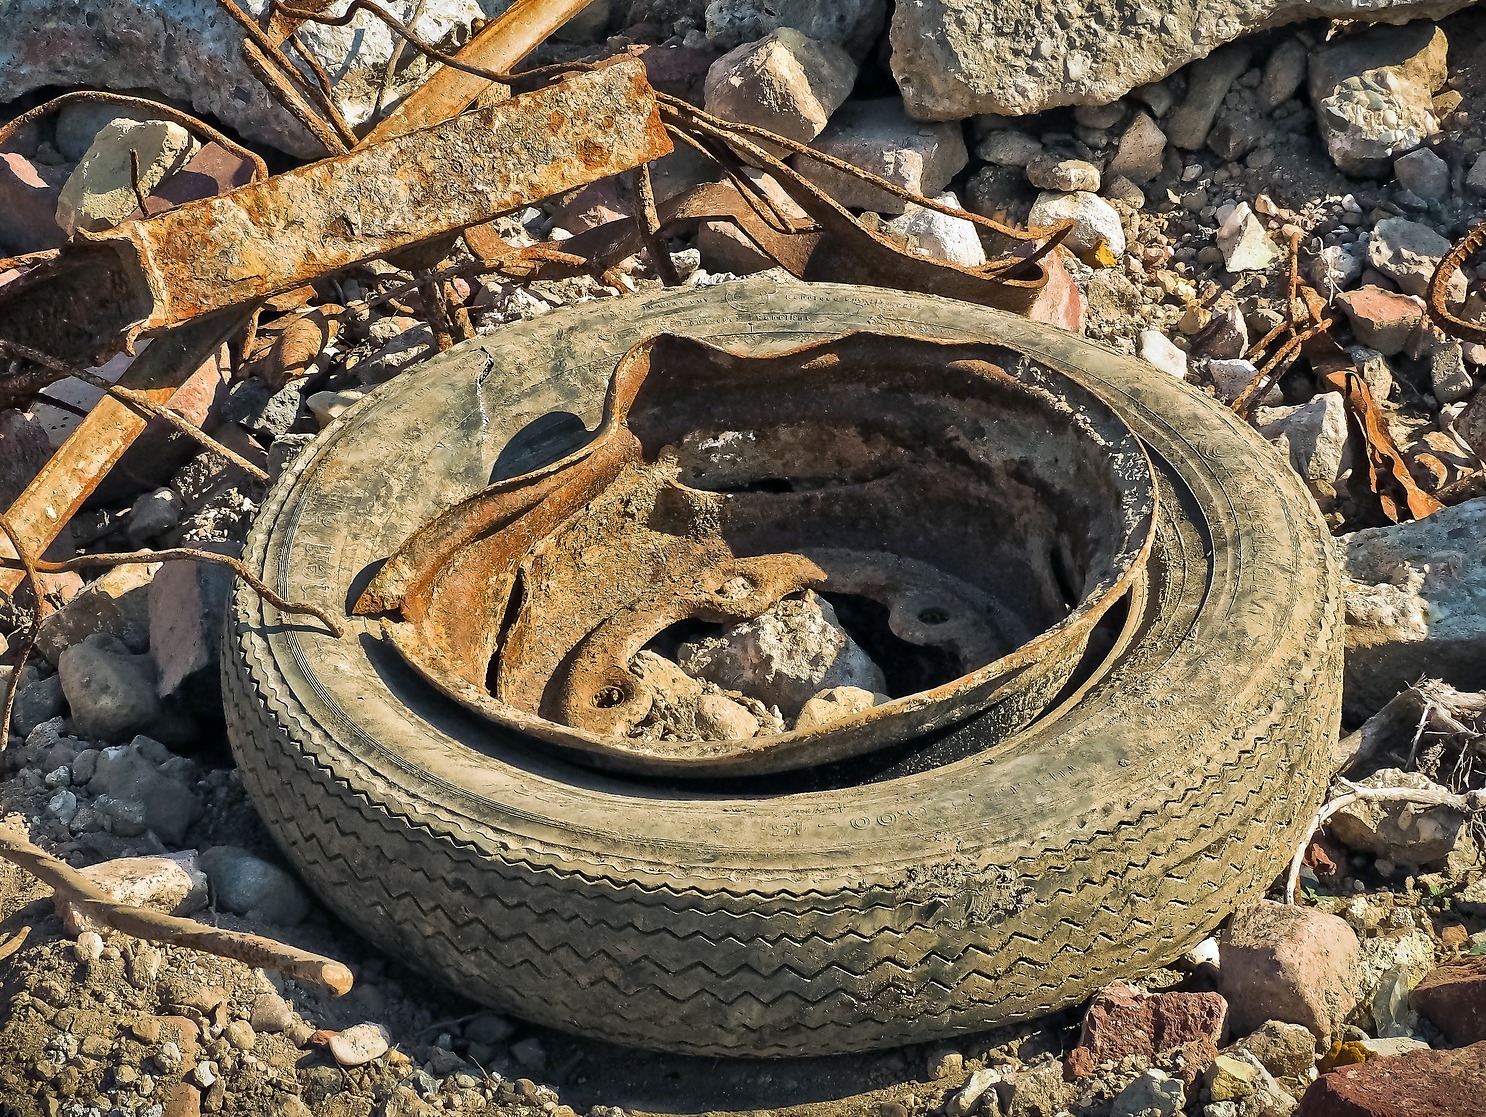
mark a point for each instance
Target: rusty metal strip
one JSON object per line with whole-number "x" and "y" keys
{"x": 265, "y": 238}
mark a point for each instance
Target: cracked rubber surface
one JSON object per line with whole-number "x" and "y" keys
{"x": 1099, "y": 843}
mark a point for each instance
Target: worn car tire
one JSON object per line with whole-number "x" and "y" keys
{"x": 1104, "y": 840}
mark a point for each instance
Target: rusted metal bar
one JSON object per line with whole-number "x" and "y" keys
{"x": 100, "y": 440}
{"x": 265, "y": 238}
{"x": 498, "y": 47}
{"x": 103, "y": 437}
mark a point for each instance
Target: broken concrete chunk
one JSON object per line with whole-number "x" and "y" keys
{"x": 959, "y": 58}
{"x": 1401, "y": 832}
{"x": 1416, "y": 605}
{"x": 1231, "y": 377}
{"x": 784, "y": 657}
{"x": 101, "y": 192}
{"x": 171, "y": 884}
{"x": 1373, "y": 94}
{"x": 193, "y": 52}
{"x": 879, "y": 137}
{"x": 785, "y": 82}
{"x": 1313, "y": 437}
{"x": 1337, "y": 266}
{"x": 1154, "y": 1094}
{"x": 835, "y": 704}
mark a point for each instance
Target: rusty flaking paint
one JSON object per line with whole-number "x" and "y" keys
{"x": 151, "y": 274}
{"x": 993, "y": 508}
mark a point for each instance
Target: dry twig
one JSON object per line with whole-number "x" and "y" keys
{"x": 93, "y": 903}
{"x": 1470, "y": 802}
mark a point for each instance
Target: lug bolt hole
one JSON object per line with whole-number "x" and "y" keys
{"x": 608, "y": 698}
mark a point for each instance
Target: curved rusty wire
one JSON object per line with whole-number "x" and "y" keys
{"x": 1439, "y": 285}
{"x": 155, "y": 108}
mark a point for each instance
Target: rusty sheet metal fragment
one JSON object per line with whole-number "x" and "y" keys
{"x": 992, "y": 511}
{"x": 270, "y": 237}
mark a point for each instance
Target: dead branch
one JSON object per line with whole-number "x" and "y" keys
{"x": 134, "y": 399}
{"x": 1470, "y": 802}
{"x": 181, "y": 554}
{"x": 70, "y": 886}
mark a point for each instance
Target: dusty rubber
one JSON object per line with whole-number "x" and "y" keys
{"x": 1099, "y": 843}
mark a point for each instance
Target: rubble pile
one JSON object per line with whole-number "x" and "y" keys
{"x": 1219, "y": 169}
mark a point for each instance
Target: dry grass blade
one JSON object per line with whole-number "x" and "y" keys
{"x": 94, "y": 904}
{"x": 28, "y": 642}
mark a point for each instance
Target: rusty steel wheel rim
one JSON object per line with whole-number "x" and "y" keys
{"x": 525, "y": 602}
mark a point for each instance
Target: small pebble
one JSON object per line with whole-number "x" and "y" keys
{"x": 89, "y": 946}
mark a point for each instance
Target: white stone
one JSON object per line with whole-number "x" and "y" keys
{"x": 1158, "y": 349}
{"x": 1314, "y": 437}
{"x": 968, "y": 1096}
{"x": 1338, "y": 266}
{"x": 88, "y": 947}
{"x": 359, "y": 1045}
{"x": 951, "y": 239}
{"x": 1245, "y": 244}
{"x": 1095, "y": 221}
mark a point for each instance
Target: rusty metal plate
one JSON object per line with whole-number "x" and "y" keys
{"x": 272, "y": 236}
{"x": 991, "y": 507}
